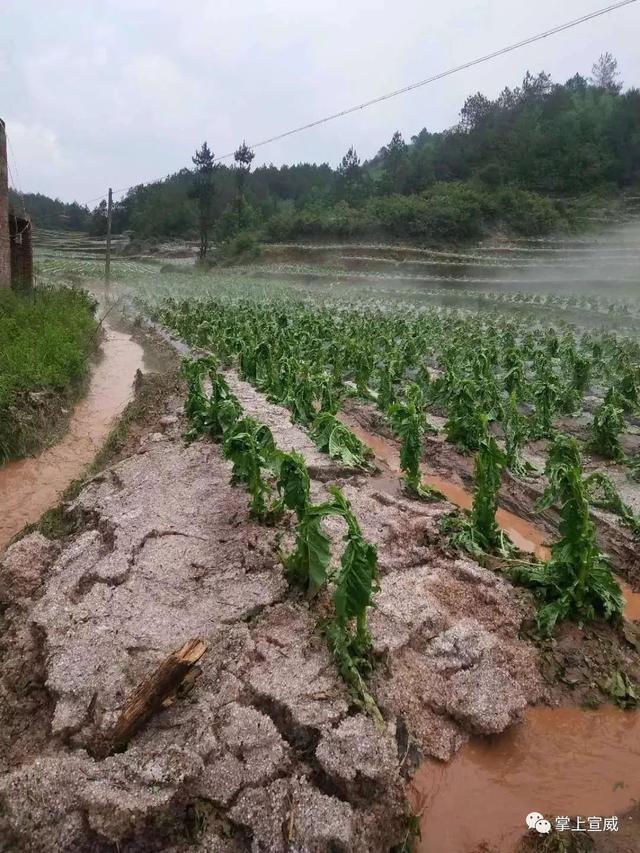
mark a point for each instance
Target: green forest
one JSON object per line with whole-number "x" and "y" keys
{"x": 534, "y": 160}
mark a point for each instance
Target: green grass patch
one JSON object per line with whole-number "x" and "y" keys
{"x": 46, "y": 339}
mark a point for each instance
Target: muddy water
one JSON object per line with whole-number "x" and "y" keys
{"x": 632, "y": 606}
{"x": 30, "y": 486}
{"x": 524, "y": 535}
{"x": 561, "y": 761}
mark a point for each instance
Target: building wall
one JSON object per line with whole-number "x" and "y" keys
{"x": 21, "y": 253}
{"x": 5, "y": 251}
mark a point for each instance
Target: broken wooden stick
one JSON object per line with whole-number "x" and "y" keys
{"x": 150, "y": 696}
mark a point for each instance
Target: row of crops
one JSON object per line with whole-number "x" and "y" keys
{"x": 279, "y": 482}
{"x": 499, "y": 382}
{"x": 579, "y": 307}
{"x": 468, "y": 366}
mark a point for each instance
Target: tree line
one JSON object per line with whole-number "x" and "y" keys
{"x": 528, "y": 160}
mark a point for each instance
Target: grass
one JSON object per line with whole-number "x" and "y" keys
{"x": 46, "y": 339}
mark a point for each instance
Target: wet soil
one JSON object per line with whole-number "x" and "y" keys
{"x": 267, "y": 748}
{"x": 561, "y": 761}
{"x": 523, "y": 534}
{"x": 442, "y": 462}
{"x": 167, "y": 552}
{"x": 572, "y": 761}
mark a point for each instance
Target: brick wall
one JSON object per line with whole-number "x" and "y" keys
{"x": 5, "y": 252}
{"x": 21, "y": 253}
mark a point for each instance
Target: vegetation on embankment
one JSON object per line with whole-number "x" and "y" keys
{"x": 46, "y": 339}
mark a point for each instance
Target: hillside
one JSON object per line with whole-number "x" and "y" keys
{"x": 534, "y": 160}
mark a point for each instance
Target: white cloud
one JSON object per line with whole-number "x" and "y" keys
{"x": 127, "y": 89}
{"x": 34, "y": 149}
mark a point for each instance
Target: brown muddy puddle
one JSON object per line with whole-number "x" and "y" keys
{"x": 559, "y": 761}
{"x": 30, "y": 486}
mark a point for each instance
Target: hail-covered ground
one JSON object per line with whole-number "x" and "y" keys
{"x": 273, "y": 748}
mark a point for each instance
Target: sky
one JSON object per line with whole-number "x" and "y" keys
{"x": 99, "y": 93}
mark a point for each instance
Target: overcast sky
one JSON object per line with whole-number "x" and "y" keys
{"x": 115, "y": 92}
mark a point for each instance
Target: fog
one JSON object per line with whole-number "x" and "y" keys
{"x": 605, "y": 262}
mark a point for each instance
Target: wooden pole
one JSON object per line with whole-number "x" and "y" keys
{"x": 149, "y": 697}
{"x": 107, "y": 261}
{"x": 5, "y": 238}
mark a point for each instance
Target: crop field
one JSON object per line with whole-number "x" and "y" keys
{"x": 479, "y": 372}
{"x": 526, "y": 400}
{"x": 520, "y": 358}
{"x": 439, "y": 453}
{"x": 320, "y": 470}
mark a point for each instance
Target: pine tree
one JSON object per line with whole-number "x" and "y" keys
{"x": 350, "y": 177}
{"x": 204, "y": 190}
{"x": 243, "y": 157}
{"x": 604, "y": 74}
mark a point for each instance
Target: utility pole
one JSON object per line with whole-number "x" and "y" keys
{"x": 107, "y": 261}
{"x": 5, "y": 238}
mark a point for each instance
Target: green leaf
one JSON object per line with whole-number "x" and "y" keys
{"x": 333, "y": 437}
{"x": 577, "y": 582}
{"x": 355, "y": 584}
{"x": 309, "y": 563}
{"x": 293, "y": 481}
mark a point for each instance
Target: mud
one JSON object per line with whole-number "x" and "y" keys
{"x": 524, "y": 535}
{"x": 169, "y": 552}
{"x": 29, "y": 486}
{"x": 570, "y": 761}
{"x": 517, "y": 514}
{"x": 267, "y": 751}
{"x": 287, "y": 436}
{"x": 590, "y": 761}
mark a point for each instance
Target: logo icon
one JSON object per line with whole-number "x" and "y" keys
{"x": 533, "y": 818}
{"x": 537, "y": 821}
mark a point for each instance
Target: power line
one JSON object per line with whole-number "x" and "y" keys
{"x": 439, "y": 76}
{"x": 508, "y": 49}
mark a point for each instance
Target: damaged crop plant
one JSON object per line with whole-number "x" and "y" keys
{"x": 257, "y": 463}
{"x": 477, "y": 532}
{"x": 577, "y": 581}
{"x": 499, "y": 381}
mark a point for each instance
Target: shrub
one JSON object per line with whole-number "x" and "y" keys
{"x": 242, "y": 247}
{"x": 445, "y": 212}
{"x": 239, "y": 217}
{"x": 526, "y": 212}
